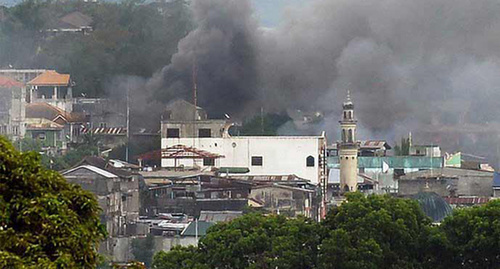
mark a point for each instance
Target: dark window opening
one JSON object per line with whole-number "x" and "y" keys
{"x": 208, "y": 162}
{"x": 173, "y": 133}
{"x": 350, "y": 139}
{"x": 204, "y": 133}
{"x": 310, "y": 161}
{"x": 344, "y": 139}
{"x": 256, "y": 160}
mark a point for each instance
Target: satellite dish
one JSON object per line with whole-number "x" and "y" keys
{"x": 227, "y": 116}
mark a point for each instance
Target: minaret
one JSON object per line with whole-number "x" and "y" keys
{"x": 348, "y": 148}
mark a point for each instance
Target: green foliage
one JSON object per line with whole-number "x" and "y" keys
{"x": 262, "y": 125}
{"x": 129, "y": 38}
{"x": 45, "y": 222}
{"x": 473, "y": 236}
{"x": 403, "y": 149}
{"x": 178, "y": 258}
{"x": 143, "y": 248}
{"x": 365, "y": 232}
{"x": 375, "y": 232}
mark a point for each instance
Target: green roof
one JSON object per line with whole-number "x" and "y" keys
{"x": 397, "y": 162}
{"x": 234, "y": 170}
{"x": 203, "y": 226}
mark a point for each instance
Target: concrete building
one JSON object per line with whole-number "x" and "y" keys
{"x": 206, "y": 145}
{"x": 12, "y": 108}
{"x": 22, "y": 75}
{"x": 53, "y": 88}
{"x": 117, "y": 191}
{"x": 348, "y": 148}
{"x": 448, "y": 181}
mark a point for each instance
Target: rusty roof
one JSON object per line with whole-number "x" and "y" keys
{"x": 185, "y": 152}
{"x": 9, "y": 82}
{"x": 50, "y": 78}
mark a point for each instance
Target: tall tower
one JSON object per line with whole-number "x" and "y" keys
{"x": 348, "y": 148}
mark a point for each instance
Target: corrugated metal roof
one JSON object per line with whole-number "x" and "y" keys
{"x": 182, "y": 151}
{"x": 219, "y": 216}
{"x": 202, "y": 226}
{"x": 94, "y": 169}
{"x": 466, "y": 200}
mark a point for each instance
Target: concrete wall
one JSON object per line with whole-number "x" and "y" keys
{"x": 442, "y": 187}
{"x": 281, "y": 155}
{"x": 191, "y": 128}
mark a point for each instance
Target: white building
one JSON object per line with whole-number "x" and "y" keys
{"x": 191, "y": 140}
{"x": 252, "y": 155}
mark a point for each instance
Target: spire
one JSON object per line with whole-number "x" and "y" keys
{"x": 348, "y": 102}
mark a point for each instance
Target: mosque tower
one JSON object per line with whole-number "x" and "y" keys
{"x": 348, "y": 148}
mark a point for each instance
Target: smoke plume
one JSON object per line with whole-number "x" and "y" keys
{"x": 408, "y": 63}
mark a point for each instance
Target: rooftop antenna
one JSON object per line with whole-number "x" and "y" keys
{"x": 128, "y": 124}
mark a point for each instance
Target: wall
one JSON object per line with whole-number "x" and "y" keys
{"x": 443, "y": 186}
{"x": 190, "y": 129}
{"x": 282, "y": 155}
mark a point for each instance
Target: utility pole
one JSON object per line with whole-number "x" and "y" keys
{"x": 128, "y": 124}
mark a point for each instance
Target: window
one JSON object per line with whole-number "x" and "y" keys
{"x": 204, "y": 133}
{"x": 102, "y": 125}
{"x": 350, "y": 136}
{"x": 344, "y": 139}
{"x": 173, "y": 133}
{"x": 256, "y": 160}
{"x": 41, "y": 136}
{"x": 310, "y": 161}
{"x": 208, "y": 162}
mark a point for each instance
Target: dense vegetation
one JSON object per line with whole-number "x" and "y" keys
{"x": 44, "y": 221}
{"x": 129, "y": 38}
{"x": 366, "y": 232}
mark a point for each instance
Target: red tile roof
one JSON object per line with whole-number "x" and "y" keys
{"x": 9, "y": 82}
{"x": 50, "y": 78}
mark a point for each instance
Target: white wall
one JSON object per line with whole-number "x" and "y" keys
{"x": 282, "y": 155}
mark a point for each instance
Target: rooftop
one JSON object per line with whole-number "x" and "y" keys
{"x": 9, "y": 82}
{"x": 50, "y": 78}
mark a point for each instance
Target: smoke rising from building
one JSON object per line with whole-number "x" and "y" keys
{"x": 401, "y": 59}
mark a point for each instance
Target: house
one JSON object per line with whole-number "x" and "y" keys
{"x": 53, "y": 88}
{"x": 74, "y": 22}
{"x": 12, "y": 111}
{"x": 283, "y": 199}
{"x": 190, "y": 192}
{"x": 116, "y": 189}
{"x": 22, "y": 75}
{"x": 425, "y": 150}
{"x": 457, "y": 182}
{"x": 47, "y": 133}
{"x": 367, "y": 148}
{"x": 71, "y": 122}
{"x": 366, "y": 184}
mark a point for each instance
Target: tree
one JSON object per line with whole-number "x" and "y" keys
{"x": 143, "y": 249}
{"x": 404, "y": 148}
{"x": 266, "y": 124}
{"x": 178, "y": 257}
{"x": 45, "y": 222}
{"x": 473, "y": 236}
{"x": 375, "y": 232}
